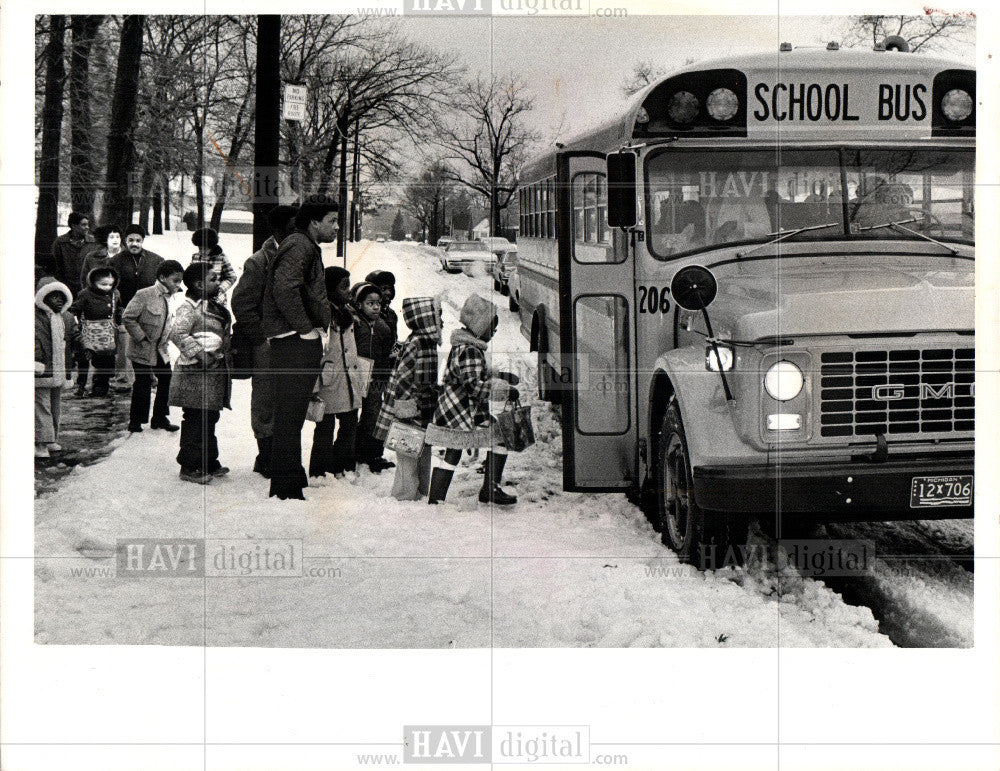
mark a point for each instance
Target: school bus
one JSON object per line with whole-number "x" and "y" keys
{"x": 752, "y": 292}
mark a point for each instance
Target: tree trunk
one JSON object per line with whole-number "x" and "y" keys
{"x": 220, "y": 201}
{"x": 166, "y": 203}
{"x": 145, "y": 187}
{"x": 199, "y": 174}
{"x": 267, "y": 129}
{"x": 48, "y": 166}
{"x": 117, "y": 198}
{"x": 342, "y": 214}
{"x": 83, "y": 175}
{"x": 157, "y": 207}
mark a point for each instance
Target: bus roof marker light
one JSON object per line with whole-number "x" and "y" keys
{"x": 683, "y": 107}
{"x": 833, "y": 45}
{"x": 956, "y": 104}
{"x": 785, "y": 47}
{"x": 722, "y": 104}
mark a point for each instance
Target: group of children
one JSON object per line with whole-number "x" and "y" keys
{"x": 368, "y": 379}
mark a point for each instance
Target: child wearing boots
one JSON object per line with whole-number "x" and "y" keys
{"x": 99, "y": 313}
{"x": 374, "y": 341}
{"x": 462, "y": 419}
{"x": 55, "y": 331}
{"x": 412, "y": 392}
{"x": 341, "y": 385}
{"x": 200, "y": 384}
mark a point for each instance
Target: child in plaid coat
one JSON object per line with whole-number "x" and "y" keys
{"x": 412, "y": 392}
{"x": 462, "y": 418}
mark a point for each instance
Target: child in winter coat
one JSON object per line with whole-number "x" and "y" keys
{"x": 340, "y": 387}
{"x": 200, "y": 383}
{"x": 99, "y": 312}
{"x": 209, "y": 251}
{"x": 55, "y": 333}
{"x": 374, "y": 341}
{"x": 462, "y": 419}
{"x": 412, "y": 392}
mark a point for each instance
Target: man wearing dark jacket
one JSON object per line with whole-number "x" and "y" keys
{"x": 295, "y": 309}
{"x": 136, "y": 268}
{"x": 247, "y": 302}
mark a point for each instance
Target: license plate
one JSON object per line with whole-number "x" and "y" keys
{"x": 929, "y": 492}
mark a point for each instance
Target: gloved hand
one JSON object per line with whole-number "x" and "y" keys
{"x": 513, "y": 395}
{"x": 510, "y": 377}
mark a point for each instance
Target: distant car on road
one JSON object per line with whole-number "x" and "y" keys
{"x": 443, "y": 241}
{"x": 461, "y": 254}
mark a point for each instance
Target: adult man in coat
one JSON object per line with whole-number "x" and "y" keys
{"x": 247, "y": 302}
{"x": 136, "y": 268}
{"x": 295, "y": 309}
{"x": 68, "y": 252}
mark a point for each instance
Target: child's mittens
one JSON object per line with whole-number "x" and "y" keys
{"x": 499, "y": 389}
{"x": 39, "y": 368}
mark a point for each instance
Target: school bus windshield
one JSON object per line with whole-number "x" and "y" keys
{"x": 700, "y": 199}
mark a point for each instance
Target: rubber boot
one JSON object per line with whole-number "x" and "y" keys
{"x": 262, "y": 465}
{"x": 440, "y": 481}
{"x": 491, "y": 492}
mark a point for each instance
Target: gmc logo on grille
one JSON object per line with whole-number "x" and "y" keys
{"x": 894, "y": 391}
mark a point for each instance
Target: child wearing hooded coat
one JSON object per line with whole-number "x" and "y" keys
{"x": 412, "y": 392}
{"x": 99, "y": 301}
{"x": 55, "y": 333}
{"x": 340, "y": 385}
{"x": 462, "y": 419}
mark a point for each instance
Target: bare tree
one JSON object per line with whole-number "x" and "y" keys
{"x": 642, "y": 75}
{"x": 488, "y": 140}
{"x": 117, "y": 195}
{"x": 84, "y": 179}
{"x": 424, "y": 197}
{"x": 48, "y": 166}
{"x": 930, "y": 32}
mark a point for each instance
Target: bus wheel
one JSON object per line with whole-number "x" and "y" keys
{"x": 497, "y": 286}
{"x": 513, "y": 304}
{"x": 707, "y": 540}
{"x": 546, "y": 376}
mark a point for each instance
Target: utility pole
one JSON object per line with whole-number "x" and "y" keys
{"x": 267, "y": 131}
{"x": 355, "y": 206}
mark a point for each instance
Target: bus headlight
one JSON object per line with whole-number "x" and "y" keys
{"x": 725, "y": 354}
{"x": 956, "y": 104}
{"x": 783, "y": 381}
{"x": 683, "y": 107}
{"x": 722, "y": 104}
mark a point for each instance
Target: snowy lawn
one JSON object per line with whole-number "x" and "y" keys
{"x": 556, "y": 570}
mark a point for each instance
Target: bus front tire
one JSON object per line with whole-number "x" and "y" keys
{"x": 512, "y": 304}
{"x": 708, "y": 540}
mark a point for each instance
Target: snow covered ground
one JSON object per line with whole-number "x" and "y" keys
{"x": 556, "y": 570}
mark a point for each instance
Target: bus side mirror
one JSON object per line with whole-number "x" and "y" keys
{"x": 622, "y": 211}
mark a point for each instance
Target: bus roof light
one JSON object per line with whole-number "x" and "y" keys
{"x": 785, "y": 47}
{"x": 956, "y": 104}
{"x": 833, "y": 45}
{"x": 683, "y": 107}
{"x": 722, "y": 104}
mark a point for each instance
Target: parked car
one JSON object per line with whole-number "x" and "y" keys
{"x": 514, "y": 291}
{"x": 443, "y": 241}
{"x": 461, "y": 254}
{"x": 506, "y": 264}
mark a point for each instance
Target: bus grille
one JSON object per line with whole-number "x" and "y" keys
{"x": 897, "y": 392}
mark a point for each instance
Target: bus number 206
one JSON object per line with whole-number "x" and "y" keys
{"x": 653, "y": 299}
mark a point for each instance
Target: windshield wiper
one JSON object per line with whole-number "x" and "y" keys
{"x": 898, "y": 226}
{"x": 782, "y": 235}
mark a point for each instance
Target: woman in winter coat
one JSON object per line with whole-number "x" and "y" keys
{"x": 412, "y": 393}
{"x": 55, "y": 334}
{"x": 98, "y": 309}
{"x": 341, "y": 385}
{"x": 107, "y": 244}
{"x": 462, "y": 419}
{"x": 374, "y": 341}
{"x": 200, "y": 383}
